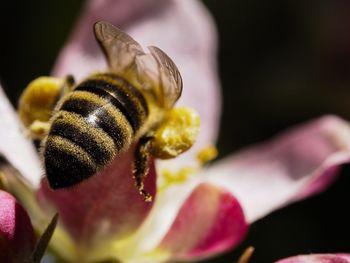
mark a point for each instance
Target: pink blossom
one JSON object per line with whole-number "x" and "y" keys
{"x": 205, "y": 214}
{"x": 17, "y": 237}
{"x": 318, "y": 258}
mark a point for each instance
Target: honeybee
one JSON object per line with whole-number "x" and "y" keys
{"x": 85, "y": 126}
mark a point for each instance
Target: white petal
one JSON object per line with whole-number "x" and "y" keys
{"x": 14, "y": 146}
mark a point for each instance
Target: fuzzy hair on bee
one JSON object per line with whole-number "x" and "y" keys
{"x": 92, "y": 122}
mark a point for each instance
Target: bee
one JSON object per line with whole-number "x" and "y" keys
{"x": 85, "y": 126}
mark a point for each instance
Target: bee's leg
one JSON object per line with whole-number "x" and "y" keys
{"x": 141, "y": 165}
{"x": 38, "y": 129}
{"x": 68, "y": 85}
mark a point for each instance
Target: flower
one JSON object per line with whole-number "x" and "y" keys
{"x": 17, "y": 237}
{"x": 192, "y": 217}
{"x": 318, "y": 258}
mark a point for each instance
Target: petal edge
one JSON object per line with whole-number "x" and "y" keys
{"x": 210, "y": 221}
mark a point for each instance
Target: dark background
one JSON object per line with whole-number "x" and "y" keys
{"x": 281, "y": 63}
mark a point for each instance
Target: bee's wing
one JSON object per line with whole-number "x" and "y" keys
{"x": 119, "y": 48}
{"x": 170, "y": 78}
{"x": 122, "y": 52}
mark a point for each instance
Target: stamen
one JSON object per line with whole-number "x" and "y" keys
{"x": 3, "y": 181}
{"x": 207, "y": 154}
{"x": 246, "y": 256}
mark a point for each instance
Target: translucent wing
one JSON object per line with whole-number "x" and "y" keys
{"x": 170, "y": 78}
{"x": 124, "y": 53}
{"x": 119, "y": 48}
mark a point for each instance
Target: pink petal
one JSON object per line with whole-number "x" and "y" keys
{"x": 295, "y": 165}
{"x": 183, "y": 29}
{"x": 14, "y": 146}
{"x": 299, "y": 163}
{"x": 105, "y": 206}
{"x": 210, "y": 221}
{"x": 17, "y": 239}
{"x": 318, "y": 258}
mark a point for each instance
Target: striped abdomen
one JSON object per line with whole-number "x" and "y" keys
{"x": 92, "y": 125}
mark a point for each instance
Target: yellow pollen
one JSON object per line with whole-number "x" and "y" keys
{"x": 176, "y": 134}
{"x": 207, "y": 154}
{"x": 38, "y": 100}
{"x": 3, "y": 182}
{"x": 169, "y": 178}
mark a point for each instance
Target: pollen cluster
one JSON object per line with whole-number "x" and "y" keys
{"x": 176, "y": 134}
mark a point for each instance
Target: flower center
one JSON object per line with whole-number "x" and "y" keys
{"x": 168, "y": 177}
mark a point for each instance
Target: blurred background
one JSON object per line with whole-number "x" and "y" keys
{"x": 281, "y": 63}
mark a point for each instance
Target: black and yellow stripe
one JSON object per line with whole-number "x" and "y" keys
{"x": 92, "y": 125}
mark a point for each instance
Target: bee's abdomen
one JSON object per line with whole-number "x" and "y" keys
{"x": 91, "y": 127}
{"x": 66, "y": 163}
